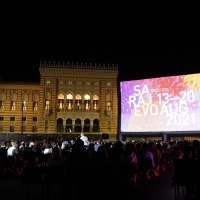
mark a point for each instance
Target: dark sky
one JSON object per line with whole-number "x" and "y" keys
{"x": 145, "y": 38}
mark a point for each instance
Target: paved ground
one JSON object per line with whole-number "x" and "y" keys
{"x": 154, "y": 190}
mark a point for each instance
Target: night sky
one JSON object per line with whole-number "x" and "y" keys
{"x": 145, "y": 38}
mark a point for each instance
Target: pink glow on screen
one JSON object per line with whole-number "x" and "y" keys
{"x": 161, "y": 104}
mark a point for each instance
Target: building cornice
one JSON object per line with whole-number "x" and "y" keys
{"x": 18, "y": 83}
{"x": 81, "y": 73}
{"x": 78, "y": 65}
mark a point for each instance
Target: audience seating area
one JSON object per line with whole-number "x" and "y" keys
{"x": 75, "y": 168}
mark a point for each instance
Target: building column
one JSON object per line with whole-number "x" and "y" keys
{"x": 64, "y": 126}
{"x": 91, "y": 126}
{"x": 82, "y": 126}
{"x": 73, "y": 125}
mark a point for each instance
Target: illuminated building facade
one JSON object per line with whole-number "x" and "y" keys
{"x": 69, "y": 99}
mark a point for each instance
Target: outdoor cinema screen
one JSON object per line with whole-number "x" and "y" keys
{"x": 161, "y": 104}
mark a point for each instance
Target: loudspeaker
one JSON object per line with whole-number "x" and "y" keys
{"x": 105, "y": 136}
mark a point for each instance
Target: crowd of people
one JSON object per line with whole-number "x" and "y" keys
{"x": 97, "y": 162}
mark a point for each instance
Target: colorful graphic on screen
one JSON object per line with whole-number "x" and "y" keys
{"x": 161, "y": 104}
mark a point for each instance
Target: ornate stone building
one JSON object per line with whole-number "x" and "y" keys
{"x": 69, "y": 99}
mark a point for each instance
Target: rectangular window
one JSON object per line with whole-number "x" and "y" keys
{"x": 34, "y": 119}
{"x": 12, "y": 119}
{"x": 23, "y": 119}
{"x": 1, "y": 128}
{"x": 12, "y": 128}
{"x": 108, "y": 105}
{"x": 1, "y": 118}
{"x": 1, "y": 105}
{"x": 35, "y": 106}
{"x": 24, "y": 105}
{"x": 47, "y": 103}
{"x": 34, "y": 129}
{"x": 48, "y": 82}
{"x": 60, "y": 104}
{"x": 13, "y": 107}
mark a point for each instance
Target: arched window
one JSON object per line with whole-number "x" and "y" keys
{"x": 78, "y": 102}
{"x": 86, "y": 102}
{"x": 95, "y": 102}
{"x": 13, "y": 102}
{"x": 2, "y": 99}
{"x": 47, "y": 100}
{"x": 24, "y": 105}
{"x": 108, "y": 101}
{"x": 25, "y": 97}
{"x": 60, "y": 125}
{"x": 35, "y": 102}
{"x": 60, "y": 102}
{"x": 86, "y": 125}
{"x": 96, "y": 125}
{"x": 77, "y": 125}
{"x": 24, "y": 101}
{"x": 69, "y": 102}
{"x": 1, "y": 105}
{"x": 69, "y": 121}
{"x": 69, "y": 125}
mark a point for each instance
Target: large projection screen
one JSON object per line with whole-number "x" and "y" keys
{"x": 161, "y": 104}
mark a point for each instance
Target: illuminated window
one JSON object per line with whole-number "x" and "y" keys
{"x": 35, "y": 106}
{"x": 69, "y": 102}
{"x": 78, "y": 102}
{"x": 1, "y": 105}
{"x": 48, "y": 82}
{"x": 108, "y": 105}
{"x": 95, "y": 102}
{"x": 108, "y": 101}
{"x": 87, "y": 97}
{"x": 87, "y": 102}
{"x": 60, "y": 102}
{"x": 47, "y": 104}
{"x": 24, "y": 105}
{"x": 12, "y": 105}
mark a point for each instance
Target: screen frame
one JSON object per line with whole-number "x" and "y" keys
{"x": 151, "y": 133}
